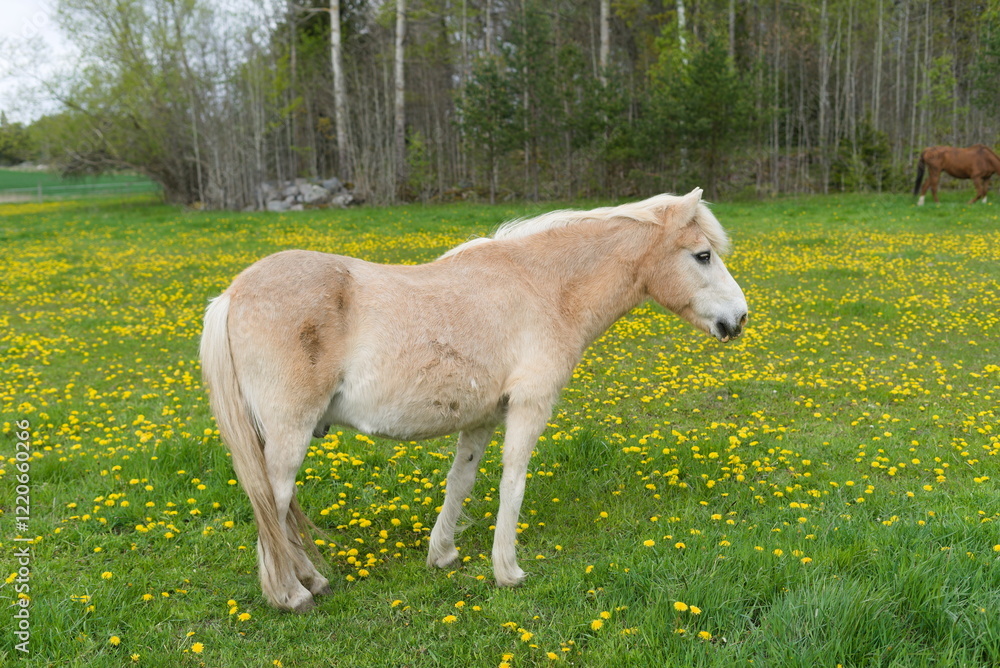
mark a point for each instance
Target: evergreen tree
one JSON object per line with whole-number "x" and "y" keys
{"x": 703, "y": 113}
{"x": 487, "y": 116}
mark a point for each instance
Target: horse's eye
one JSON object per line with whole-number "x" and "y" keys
{"x": 704, "y": 257}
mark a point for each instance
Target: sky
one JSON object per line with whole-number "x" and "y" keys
{"x": 32, "y": 48}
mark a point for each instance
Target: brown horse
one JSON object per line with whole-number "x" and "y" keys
{"x": 977, "y": 162}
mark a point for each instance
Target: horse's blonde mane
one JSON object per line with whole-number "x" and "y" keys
{"x": 648, "y": 211}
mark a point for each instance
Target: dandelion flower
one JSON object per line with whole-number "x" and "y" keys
{"x": 197, "y": 648}
{"x": 115, "y": 641}
{"x": 704, "y": 635}
{"x": 449, "y": 619}
{"x": 106, "y": 575}
{"x": 596, "y": 625}
{"x": 680, "y": 606}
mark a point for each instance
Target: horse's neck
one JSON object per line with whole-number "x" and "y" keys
{"x": 994, "y": 160}
{"x": 591, "y": 276}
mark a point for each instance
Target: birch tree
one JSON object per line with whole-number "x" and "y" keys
{"x": 339, "y": 93}
{"x": 399, "y": 105}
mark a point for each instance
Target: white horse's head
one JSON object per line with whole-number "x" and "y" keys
{"x": 685, "y": 272}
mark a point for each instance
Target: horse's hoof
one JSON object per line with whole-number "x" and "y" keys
{"x": 304, "y": 606}
{"x": 443, "y": 559}
{"x": 301, "y": 602}
{"x": 512, "y": 579}
{"x": 321, "y": 590}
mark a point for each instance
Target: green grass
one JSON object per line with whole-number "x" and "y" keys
{"x": 822, "y": 490}
{"x": 23, "y": 183}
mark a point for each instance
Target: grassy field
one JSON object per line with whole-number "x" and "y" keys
{"x": 821, "y": 492}
{"x": 16, "y": 183}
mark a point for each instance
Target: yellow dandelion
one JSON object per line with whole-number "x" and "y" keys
{"x": 114, "y": 641}
{"x": 596, "y": 625}
{"x": 680, "y": 606}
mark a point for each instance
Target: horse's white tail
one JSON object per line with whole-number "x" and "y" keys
{"x": 238, "y": 429}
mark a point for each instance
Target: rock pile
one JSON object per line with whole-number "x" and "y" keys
{"x": 300, "y": 194}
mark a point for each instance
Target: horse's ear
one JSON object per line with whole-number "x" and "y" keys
{"x": 684, "y": 210}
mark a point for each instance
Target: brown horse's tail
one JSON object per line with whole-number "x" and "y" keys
{"x": 920, "y": 175}
{"x": 238, "y": 429}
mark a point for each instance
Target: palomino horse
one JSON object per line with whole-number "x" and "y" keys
{"x": 977, "y": 162}
{"x": 490, "y": 332}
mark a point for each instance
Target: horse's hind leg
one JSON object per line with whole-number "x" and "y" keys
{"x": 932, "y": 182}
{"x": 284, "y": 452}
{"x": 468, "y": 452}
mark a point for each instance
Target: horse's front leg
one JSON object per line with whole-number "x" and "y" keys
{"x": 468, "y": 452}
{"x": 982, "y": 185}
{"x": 525, "y": 423}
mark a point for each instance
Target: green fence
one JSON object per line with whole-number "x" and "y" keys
{"x": 41, "y": 186}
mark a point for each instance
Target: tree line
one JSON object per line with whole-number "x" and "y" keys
{"x": 434, "y": 99}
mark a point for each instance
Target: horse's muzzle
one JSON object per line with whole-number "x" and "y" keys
{"x": 726, "y": 331}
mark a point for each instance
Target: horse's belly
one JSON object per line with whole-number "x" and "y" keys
{"x": 410, "y": 415}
